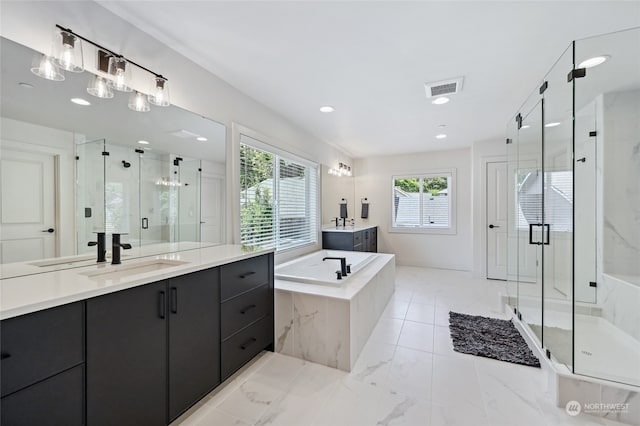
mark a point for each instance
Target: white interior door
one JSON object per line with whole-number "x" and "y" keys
{"x": 497, "y": 220}
{"x": 27, "y": 206}
{"x": 212, "y": 200}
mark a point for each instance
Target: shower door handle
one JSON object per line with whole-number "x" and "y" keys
{"x": 145, "y": 223}
{"x": 548, "y": 226}
{"x": 531, "y": 225}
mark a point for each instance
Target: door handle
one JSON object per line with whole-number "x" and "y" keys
{"x": 548, "y": 226}
{"x": 531, "y": 225}
{"x": 50, "y": 230}
{"x": 174, "y": 300}
{"x": 494, "y": 226}
{"x": 161, "y": 305}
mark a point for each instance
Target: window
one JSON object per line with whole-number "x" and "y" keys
{"x": 278, "y": 199}
{"x": 558, "y": 199}
{"x": 424, "y": 202}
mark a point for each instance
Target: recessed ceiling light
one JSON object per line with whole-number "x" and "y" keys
{"x": 80, "y": 101}
{"x": 593, "y": 62}
{"x": 441, "y": 136}
{"x": 201, "y": 139}
{"x": 25, "y": 85}
{"x": 440, "y": 101}
{"x": 327, "y": 108}
{"x": 526, "y": 126}
{"x": 143, "y": 142}
{"x": 554, "y": 124}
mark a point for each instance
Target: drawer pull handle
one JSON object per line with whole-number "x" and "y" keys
{"x": 246, "y": 274}
{"x": 248, "y": 343}
{"x": 247, "y": 309}
{"x": 5, "y": 355}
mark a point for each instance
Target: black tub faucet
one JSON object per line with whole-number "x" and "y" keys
{"x": 102, "y": 246}
{"x": 343, "y": 264}
{"x": 115, "y": 248}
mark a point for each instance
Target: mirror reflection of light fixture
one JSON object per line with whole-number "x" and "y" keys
{"x": 99, "y": 87}
{"x": 120, "y": 74}
{"x": 159, "y": 95}
{"x": 68, "y": 52}
{"x": 46, "y": 68}
{"x": 138, "y": 102}
{"x": 342, "y": 170}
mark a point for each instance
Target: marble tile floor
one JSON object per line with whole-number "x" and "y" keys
{"x": 407, "y": 374}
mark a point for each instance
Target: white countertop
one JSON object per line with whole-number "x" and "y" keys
{"x": 348, "y": 228}
{"x": 11, "y": 270}
{"x": 30, "y": 293}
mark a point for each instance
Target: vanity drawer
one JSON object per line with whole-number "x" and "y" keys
{"x": 246, "y": 344}
{"x": 240, "y": 277}
{"x": 242, "y": 310}
{"x": 357, "y": 238}
{"x": 58, "y": 400}
{"x": 38, "y": 345}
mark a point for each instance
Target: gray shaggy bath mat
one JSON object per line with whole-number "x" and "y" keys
{"x": 490, "y": 338}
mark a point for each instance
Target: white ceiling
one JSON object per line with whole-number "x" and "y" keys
{"x": 370, "y": 60}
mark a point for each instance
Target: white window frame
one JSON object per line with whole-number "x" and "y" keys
{"x": 256, "y": 141}
{"x": 428, "y": 229}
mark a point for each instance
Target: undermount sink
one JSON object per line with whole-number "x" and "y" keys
{"x": 128, "y": 270}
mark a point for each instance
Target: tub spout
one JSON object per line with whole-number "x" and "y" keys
{"x": 343, "y": 264}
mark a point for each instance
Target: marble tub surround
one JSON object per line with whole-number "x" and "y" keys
{"x": 330, "y": 325}
{"x": 26, "y": 294}
{"x": 619, "y": 298}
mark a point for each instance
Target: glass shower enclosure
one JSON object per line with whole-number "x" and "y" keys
{"x": 574, "y": 209}
{"x": 152, "y": 197}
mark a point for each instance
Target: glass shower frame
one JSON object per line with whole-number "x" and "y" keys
{"x": 571, "y": 302}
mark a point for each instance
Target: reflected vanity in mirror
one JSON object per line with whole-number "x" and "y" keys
{"x": 73, "y": 165}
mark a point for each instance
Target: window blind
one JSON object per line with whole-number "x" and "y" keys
{"x": 278, "y": 200}
{"x": 422, "y": 201}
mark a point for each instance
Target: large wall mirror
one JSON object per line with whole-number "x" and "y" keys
{"x": 70, "y": 170}
{"x": 337, "y": 190}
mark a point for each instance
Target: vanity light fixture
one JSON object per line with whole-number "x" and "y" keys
{"x": 553, "y": 124}
{"x": 441, "y": 136}
{"x": 526, "y": 126}
{"x": 141, "y": 142}
{"x": 138, "y": 102}
{"x": 80, "y": 101}
{"x": 67, "y": 55}
{"x": 440, "y": 100}
{"x": 68, "y": 51}
{"x": 47, "y": 69}
{"x": 159, "y": 95}
{"x": 594, "y": 62}
{"x": 201, "y": 139}
{"x": 100, "y": 88}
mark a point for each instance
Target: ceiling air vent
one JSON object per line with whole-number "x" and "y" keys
{"x": 445, "y": 87}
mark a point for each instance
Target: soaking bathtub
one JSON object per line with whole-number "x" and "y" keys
{"x": 312, "y": 269}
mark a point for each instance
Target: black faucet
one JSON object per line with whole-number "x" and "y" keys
{"x": 115, "y": 248}
{"x": 343, "y": 264}
{"x": 102, "y": 246}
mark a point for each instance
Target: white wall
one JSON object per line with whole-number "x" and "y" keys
{"x": 192, "y": 87}
{"x": 373, "y": 180}
{"x": 31, "y": 137}
{"x": 482, "y": 153}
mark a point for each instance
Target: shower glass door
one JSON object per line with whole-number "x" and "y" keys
{"x": 89, "y": 193}
{"x": 557, "y": 219}
{"x": 528, "y": 218}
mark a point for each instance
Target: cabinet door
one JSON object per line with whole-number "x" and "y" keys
{"x": 194, "y": 338}
{"x": 127, "y": 357}
{"x": 58, "y": 400}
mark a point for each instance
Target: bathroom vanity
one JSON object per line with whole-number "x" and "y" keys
{"x": 351, "y": 238}
{"x": 137, "y": 343}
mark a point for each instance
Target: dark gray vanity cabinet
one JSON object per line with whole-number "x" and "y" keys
{"x": 142, "y": 339}
{"x": 246, "y": 289}
{"x": 42, "y": 367}
{"x": 194, "y": 336}
{"x": 363, "y": 240}
{"x": 127, "y": 357}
